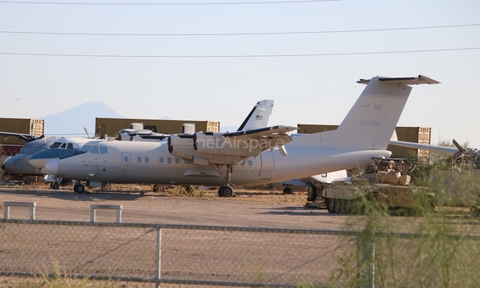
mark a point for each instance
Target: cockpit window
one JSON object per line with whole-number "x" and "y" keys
{"x": 86, "y": 148}
{"x": 56, "y": 145}
{"x": 63, "y": 145}
{"x": 70, "y": 146}
{"x": 94, "y": 150}
{"x": 103, "y": 150}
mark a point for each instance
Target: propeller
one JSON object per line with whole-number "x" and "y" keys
{"x": 464, "y": 153}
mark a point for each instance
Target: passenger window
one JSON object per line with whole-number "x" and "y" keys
{"x": 177, "y": 160}
{"x": 103, "y": 150}
{"x": 94, "y": 150}
{"x": 139, "y": 159}
{"x": 125, "y": 159}
{"x": 250, "y": 162}
{"x": 161, "y": 159}
{"x": 86, "y": 148}
{"x": 70, "y": 146}
{"x": 147, "y": 160}
{"x": 169, "y": 160}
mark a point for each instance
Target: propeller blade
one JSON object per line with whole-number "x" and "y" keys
{"x": 460, "y": 148}
{"x": 85, "y": 128}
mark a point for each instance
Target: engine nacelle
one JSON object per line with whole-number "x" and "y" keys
{"x": 181, "y": 146}
{"x": 216, "y": 144}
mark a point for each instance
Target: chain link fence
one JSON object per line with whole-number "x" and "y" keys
{"x": 171, "y": 253}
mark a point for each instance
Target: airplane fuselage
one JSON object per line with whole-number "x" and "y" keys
{"x": 151, "y": 162}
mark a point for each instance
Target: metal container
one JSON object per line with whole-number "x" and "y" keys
{"x": 111, "y": 126}
{"x": 20, "y": 125}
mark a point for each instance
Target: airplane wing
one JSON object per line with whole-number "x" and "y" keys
{"x": 205, "y": 148}
{"x": 25, "y": 137}
{"x": 403, "y": 80}
{"x": 274, "y": 132}
{"x": 434, "y": 148}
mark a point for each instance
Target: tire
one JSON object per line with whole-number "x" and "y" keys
{"x": 312, "y": 192}
{"x": 337, "y": 205}
{"x": 330, "y": 205}
{"x": 79, "y": 188}
{"x": 27, "y": 181}
{"x": 348, "y": 206}
{"x": 287, "y": 190}
{"x": 342, "y": 203}
{"x": 228, "y": 191}
{"x": 55, "y": 185}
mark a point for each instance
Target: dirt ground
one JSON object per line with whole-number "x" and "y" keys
{"x": 249, "y": 208}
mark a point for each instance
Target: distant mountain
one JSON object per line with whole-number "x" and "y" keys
{"x": 73, "y": 121}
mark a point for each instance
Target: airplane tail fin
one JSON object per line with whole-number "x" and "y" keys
{"x": 258, "y": 117}
{"x": 374, "y": 116}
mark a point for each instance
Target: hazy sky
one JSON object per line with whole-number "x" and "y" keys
{"x": 213, "y": 60}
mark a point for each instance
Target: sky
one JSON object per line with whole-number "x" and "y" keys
{"x": 213, "y": 60}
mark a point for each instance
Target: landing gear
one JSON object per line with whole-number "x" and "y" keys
{"x": 54, "y": 185}
{"x": 227, "y": 190}
{"x": 287, "y": 190}
{"x": 78, "y": 188}
{"x": 312, "y": 192}
{"x": 27, "y": 181}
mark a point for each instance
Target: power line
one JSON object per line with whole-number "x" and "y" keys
{"x": 241, "y": 33}
{"x": 166, "y": 4}
{"x": 239, "y": 56}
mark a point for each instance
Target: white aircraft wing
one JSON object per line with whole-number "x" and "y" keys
{"x": 205, "y": 148}
{"x": 25, "y": 137}
{"x": 434, "y": 148}
{"x": 274, "y": 132}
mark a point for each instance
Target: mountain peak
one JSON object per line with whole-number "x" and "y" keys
{"x": 73, "y": 121}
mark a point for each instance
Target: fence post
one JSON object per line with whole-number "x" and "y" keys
{"x": 94, "y": 208}
{"x": 28, "y": 204}
{"x": 366, "y": 261}
{"x": 159, "y": 256}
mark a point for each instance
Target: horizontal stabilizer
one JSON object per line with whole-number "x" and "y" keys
{"x": 403, "y": 80}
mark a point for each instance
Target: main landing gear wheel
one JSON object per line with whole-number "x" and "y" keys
{"x": 225, "y": 191}
{"x": 55, "y": 185}
{"x": 312, "y": 192}
{"x": 79, "y": 188}
{"x": 287, "y": 190}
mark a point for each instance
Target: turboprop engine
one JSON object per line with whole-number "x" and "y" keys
{"x": 181, "y": 145}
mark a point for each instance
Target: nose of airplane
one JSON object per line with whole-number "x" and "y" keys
{"x": 6, "y": 164}
{"x": 52, "y": 166}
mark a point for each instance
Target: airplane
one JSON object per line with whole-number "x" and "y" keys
{"x": 259, "y": 156}
{"x": 257, "y": 118}
{"x": 19, "y": 166}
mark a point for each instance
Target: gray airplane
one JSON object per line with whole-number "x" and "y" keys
{"x": 258, "y": 156}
